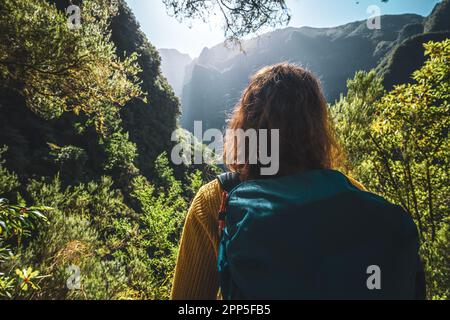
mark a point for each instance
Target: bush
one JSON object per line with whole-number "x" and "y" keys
{"x": 398, "y": 146}
{"x": 94, "y": 240}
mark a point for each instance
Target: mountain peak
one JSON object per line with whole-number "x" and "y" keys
{"x": 439, "y": 19}
{"x": 173, "y": 67}
{"x": 174, "y": 52}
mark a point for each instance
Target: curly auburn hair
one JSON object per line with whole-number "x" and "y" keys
{"x": 288, "y": 98}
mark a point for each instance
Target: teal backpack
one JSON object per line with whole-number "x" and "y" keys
{"x": 314, "y": 235}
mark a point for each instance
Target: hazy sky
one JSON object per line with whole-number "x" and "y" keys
{"x": 166, "y": 32}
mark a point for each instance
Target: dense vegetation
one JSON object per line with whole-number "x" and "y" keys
{"x": 407, "y": 55}
{"x": 86, "y": 123}
{"x": 86, "y": 187}
{"x": 397, "y": 144}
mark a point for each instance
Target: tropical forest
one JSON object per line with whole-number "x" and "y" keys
{"x": 91, "y": 205}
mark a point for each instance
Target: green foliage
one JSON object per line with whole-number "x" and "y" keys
{"x": 108, "y": 59}
{"x": 120, "y": 151}
{"x": 150, "y": 125}
{"x": 398, "y": 146}
{"x": 8, "y": 180}
{"x": 406, "y": 57}
{"x": 101, "y": 195}
{"x": 17, "y": 222}
{"x": 164, "y": 210}
{"x": 354, "y": 113}
{"x": 56, "y": 68}
{"x": 121, "y": 254}
{"x": 47, "y": 68}
{"x": 106, "y": 220}
{"x": 71, "y": 160}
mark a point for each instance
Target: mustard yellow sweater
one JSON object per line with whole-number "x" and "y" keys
{"x": 196, "y": 272}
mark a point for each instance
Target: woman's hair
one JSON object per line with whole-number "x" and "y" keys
{"x": 288, "y": 98}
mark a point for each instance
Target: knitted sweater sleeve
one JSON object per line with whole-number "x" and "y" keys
{"x": 196, "y": 276}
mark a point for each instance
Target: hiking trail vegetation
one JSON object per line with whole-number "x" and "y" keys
{"x": 85, "y": 178}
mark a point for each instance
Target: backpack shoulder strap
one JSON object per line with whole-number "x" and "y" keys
{"x": 228, "y": 181}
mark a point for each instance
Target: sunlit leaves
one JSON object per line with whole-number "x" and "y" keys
{"x": 27, "y": 276}
{"x": 398, "y": 145}
{"x": 59, "y": 69}
{"x": 19, "y": 220}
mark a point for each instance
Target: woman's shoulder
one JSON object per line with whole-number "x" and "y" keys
{"x": 209, "y": 196}
{"x": 210, "y": 191}
{"x": 207, "y": 201}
